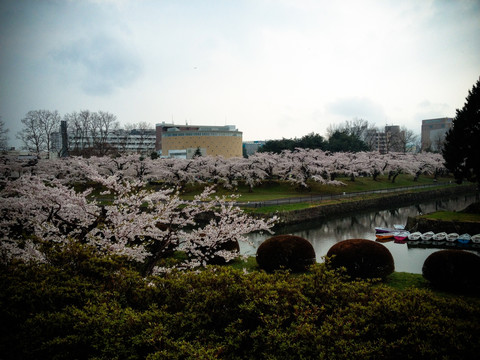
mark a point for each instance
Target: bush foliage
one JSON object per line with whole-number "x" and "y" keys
{"x": 285, "y": 251}
{"x": 362, "y": 258}
{"x": 453, "y": 270}
{"x": 102, "y": 309}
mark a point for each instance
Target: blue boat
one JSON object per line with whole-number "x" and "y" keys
{"x": 464, "y": 238}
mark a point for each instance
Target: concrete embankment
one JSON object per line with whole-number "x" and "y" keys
{"x": 384, "y": 202}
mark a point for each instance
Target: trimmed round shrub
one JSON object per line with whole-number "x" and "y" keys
{"x": 285, "y": 251}
{"x": 362, "y": 258}
{"x": 454, "y": 270}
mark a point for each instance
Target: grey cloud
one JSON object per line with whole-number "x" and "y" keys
{"x": 101, "y": 64}
{"x": 357, "y": 107}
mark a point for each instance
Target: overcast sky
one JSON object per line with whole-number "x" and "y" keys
{"x": 273, "y": 68}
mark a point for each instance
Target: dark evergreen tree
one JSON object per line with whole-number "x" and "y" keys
{"x": 341, "y": 140}
{"x": 461, "y": 149}
{"x": 277, "y": 146}
{"x": 197, "y": 153}
{"x": 309, "y": 141}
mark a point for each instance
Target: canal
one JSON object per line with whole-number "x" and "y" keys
{"x": 323, "y": 234}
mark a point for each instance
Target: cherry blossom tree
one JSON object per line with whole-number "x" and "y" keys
{"x": 430, "y": 163}
{"x": 142, "y": 225}
{"x": 267, "y": 163}
{"x": 252, "y": 171}
{"x": 299, "y": 167}
{"x": 34, "y": 214}
{"x": 177, "y": 172}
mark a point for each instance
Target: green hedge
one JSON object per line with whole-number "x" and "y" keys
{"x": 101, "y": 309}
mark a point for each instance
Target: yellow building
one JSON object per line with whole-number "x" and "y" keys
{"x": 185, "y": 141}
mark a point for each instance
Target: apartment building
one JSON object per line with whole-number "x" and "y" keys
{"x": 390, "y": 140}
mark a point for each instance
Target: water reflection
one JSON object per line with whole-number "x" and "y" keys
{"x": 324, "y": 234}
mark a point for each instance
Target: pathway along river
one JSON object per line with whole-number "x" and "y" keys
{"x": 325, "y": 233}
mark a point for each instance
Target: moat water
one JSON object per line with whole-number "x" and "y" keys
{"x": 323, "y": 234}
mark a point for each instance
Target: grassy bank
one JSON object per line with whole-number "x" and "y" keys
{"x": 281, "y": 190}
{"x": 456, "y": 216}
{"x": 274, "y": 190}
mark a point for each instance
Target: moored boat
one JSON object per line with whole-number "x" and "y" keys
{"x": 452, "y": 237}
{"x": 385, "y": 236}
{"x": 399, "y": 227}
{"x": 401, "y": 236}
{"x": 475, "y": 239}
{"x": 441, "y": 236}
{"x": 382, "y": 230}
{"x": 415, "y": 236}
{"x": 427, "y": 236}
{"x": 464, "y": 238}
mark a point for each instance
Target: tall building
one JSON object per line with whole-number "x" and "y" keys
{"x": 186, "y": 140}
{"x": 395, "y": 138}
{"x": 433, "y": 133}
{"x": 376, "y": 141}
{"x": 391, "y": 140}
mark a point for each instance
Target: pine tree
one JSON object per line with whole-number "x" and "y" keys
{"x": 461, "y": 149}
{"x": 197, "y": 153}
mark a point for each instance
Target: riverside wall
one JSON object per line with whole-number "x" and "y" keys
{"x": 385, "y": 202}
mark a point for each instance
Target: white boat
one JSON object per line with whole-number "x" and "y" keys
{"x": 464, "y": 238}
{"x": 380, "y": 229}
{"x": 427, "y": 236}
{"x": 476, "y": 239}
{"x": 415, "y": 236}
{"x": 452, "y": 237}
{"x": 441, "y": 236}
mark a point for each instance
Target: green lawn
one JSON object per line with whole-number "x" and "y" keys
{"x": 274, "y": 190}
{"x": 280, "y": 189}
